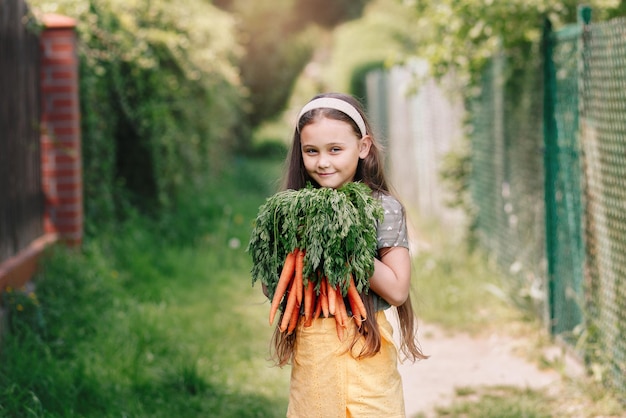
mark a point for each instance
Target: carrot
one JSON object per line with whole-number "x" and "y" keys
{"x": 357, "y": 319}
{"x": 308, "y": 300}
{"x": 324, "y": 297}
{"x": 293, "y": 321}
{"x": 318, "y": 308}
{"x": 314, "y": 314}
{"x": 341, "y": 314}
{"x": 340, "y": 309}
{"x": 356, "y": 303}
{"x": 286, "y": 275}
{"x": 339, "y": 328}
{"x": 332, "y": 299}
{"x": 356, "y": 313}
{"x": 299, "y": 275}
{"x": 289, "y": 307}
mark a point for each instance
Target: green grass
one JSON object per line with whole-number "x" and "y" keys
{"x": 153, "y": 318}
{"x": 457, "y": 288}
{"x": 498, "y": 402}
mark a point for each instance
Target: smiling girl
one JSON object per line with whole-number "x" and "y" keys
{"x": 332, "y": 145}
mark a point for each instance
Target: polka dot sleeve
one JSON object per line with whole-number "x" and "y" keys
{"x": 392, "y": 231}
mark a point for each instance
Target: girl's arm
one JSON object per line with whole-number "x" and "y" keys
{"x": 392, "y": 275}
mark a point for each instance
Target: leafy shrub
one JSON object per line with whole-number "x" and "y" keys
{"x": 161, "y": 99}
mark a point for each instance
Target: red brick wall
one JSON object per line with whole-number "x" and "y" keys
{"x": 61, "y": 135}
{"x": 60, "y": 150}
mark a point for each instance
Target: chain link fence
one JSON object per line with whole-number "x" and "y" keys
{"x": 506, "y": 183}
{"x": 547, "y": 145}
{"x": 549, "y": 184}
{"x": 603, "y": 141}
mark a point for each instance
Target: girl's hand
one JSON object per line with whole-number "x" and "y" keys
{"x": 392, "y": 275}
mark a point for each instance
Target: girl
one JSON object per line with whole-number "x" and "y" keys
{"x": 357, "y": 377}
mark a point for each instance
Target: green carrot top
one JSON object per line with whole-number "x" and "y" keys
{"x": 335, "y": 227}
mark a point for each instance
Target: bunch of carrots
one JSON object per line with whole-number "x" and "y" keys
{"x": 326, "y": 300}
{"x": 314, "y": 250}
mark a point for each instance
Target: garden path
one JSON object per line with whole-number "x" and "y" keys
{"x": 460, "y": 360}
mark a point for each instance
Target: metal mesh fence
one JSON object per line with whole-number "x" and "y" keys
{"x": 506, "y": 183}
{"x": 548, "y": 179}
{"x": 603, "y": 130}
{"x": 549, "y": 185}
{"x": 563, "y": 186}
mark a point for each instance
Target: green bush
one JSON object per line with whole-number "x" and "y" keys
{"x": 161, "y": 99}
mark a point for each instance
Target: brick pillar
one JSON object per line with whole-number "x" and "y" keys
{"x": 60, "y": 134}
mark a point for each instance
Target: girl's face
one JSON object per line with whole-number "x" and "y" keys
{"x": 331, "y": 151}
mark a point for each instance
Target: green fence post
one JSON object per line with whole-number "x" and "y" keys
{"x": 550, "y": 166}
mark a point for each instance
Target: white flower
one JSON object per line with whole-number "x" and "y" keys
{"x": 234, "y": 243}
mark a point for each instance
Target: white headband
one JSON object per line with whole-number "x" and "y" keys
{"x": 337, "y": 104}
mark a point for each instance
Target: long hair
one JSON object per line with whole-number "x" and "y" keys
{"x": 370, "y": 171}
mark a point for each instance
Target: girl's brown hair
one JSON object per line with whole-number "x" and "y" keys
{"x": 370, "y": 171}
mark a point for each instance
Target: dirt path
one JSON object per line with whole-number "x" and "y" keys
{"x": 460, "y": 361}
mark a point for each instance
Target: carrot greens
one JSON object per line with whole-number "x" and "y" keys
{"x": 334, "y": 228}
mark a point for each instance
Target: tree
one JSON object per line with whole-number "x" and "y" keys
{"x": 461, "y": 34}
{"x": 278, "y": 43}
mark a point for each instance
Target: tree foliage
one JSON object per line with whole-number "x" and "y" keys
{"x": 329, "y": 13}
{"x": 161, "y": 98}
{"x": 275, "y": 52}
{"x": 278, "y": 42}
{"x": 461, "y": 34}
{"x": 382, "y": 37}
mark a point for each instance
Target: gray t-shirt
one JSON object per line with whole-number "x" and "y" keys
{"x": 391, "y": 232}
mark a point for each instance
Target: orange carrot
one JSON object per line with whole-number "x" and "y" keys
{"x": 289, "y": 307}
{"x": 332, "y": 299}
{"x": 293, "y": 321}
{"x": 356, "y": 303}
{"x": 308, "y": 300}
{"x": 356, "y": 313}
{"x": 341, "y": 315}
{"x": 314, "y": 312}
{"x": 286, "y": 275}
{"x": 324, "y": 297}
{"x": 340, "y": 309}
{"x": 339, "y": 328}
{"x": 299, "y": 275}
{"x": 318, "y": 308}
